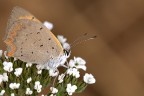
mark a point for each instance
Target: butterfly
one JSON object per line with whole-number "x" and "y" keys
{"x": 29, "y": 40}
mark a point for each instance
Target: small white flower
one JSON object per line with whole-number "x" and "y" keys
{"x": 78, "y": 62}
{"x": 39, "y": 71}
{"x": 74, "y": 72}
{"x": 28, "y": 65}
{"x": 1, "y": 52}
{"x": 89, "y": 78}
{"x": 66, "y": 46}
{"x": 37, "y": 83}
{"x": 2, "y": 92}
{"x": 8, "y": 66}
{"x": 71, "y": 89}
{"x": 53, "y": 73}
{"x": 48, "y": 25}
{"x": 1, "y": 79}
{"x": 61, "y": 77}
{"x": 5, "y": 77}
{"x": 52, "y": 95}
{"x": 37, "y": 86}
{"x": 18, "y": 71}
{"x": 5, "y": 54}
{"x": 62, "y": 39}
{"x": 15, "y": 59}
{"x": 38, "y": 90}
{"x": 29, "y": 80}
{"x": 12, "y": 94}
{"x": 40, "y": 67}
{"x": 54, "y": 90}
{"x": 29, "y": 91}
{"x": 14, "y": 85}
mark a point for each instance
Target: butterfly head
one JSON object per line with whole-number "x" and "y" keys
{"x": 67, "y": 52}
{"x": 66, "y": 49}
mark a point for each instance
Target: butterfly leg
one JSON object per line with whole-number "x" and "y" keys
{"x": 65, "y": 66}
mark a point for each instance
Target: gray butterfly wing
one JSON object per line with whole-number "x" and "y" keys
{"x": 33, "y": 42}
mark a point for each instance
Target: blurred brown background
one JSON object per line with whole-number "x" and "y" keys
{"x": 116, "y": 57}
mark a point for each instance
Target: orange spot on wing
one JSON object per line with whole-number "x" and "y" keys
{"x": 10, "y": 40}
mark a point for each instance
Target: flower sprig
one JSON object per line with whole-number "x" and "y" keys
{"x": 18, "y": 78}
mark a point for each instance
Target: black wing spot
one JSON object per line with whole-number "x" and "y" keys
{"x": 41, "y": 45}
{"x": 24, "y": 27}
{"x": 38, "y": 32}
{"x": 52, "y": 47}
{"x": 32, "y": 52}
{"x": 21, "y": 48}
{"x": 49, "y": 38}
{"x": 47, "y": 52}
{"x": 51, "y": 57}
{"x": 41, "y": 28}
{"x": 32, "y": 18}
{"x": 21, "y": 55}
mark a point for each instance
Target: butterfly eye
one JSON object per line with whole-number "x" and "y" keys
{"x": 38, "y": 32}
{"x": 66, "y": 52}
{"x": 32, "y": 18}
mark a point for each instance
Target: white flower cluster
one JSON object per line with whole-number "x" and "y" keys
{"x": 48, "y": 25}
{"x": 39, "y": 71}
{"x": 38, "y": 86}
{"x": 3, "y": 77}
{"x": 2, "y": 92}
{"x": 28, "y": 91}
{"x": 63, "y": 41}
{"x": 61, "y": 77}
{"x": 74, "y": 72}
{"x": 29, "y": 80}
{"x": 52, "y": 72}
{"x": 18, "y": 71}
{"x": 8, "y": 66}
{"x": 89, "y": 78}
{"x": 28, "y": 65}
{"x": 14, "y": 85}
{"x": 71, "y": 88}
{"x": 53, "y": 91}
{"x": 12, "y": 94}
{"x": 78, "y": 63}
